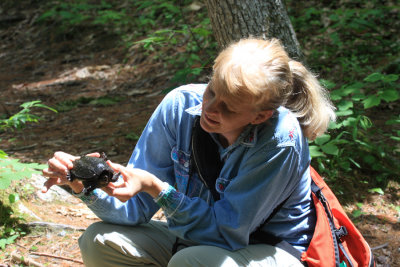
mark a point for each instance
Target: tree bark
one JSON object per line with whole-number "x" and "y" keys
{"x": 232, "y": 20}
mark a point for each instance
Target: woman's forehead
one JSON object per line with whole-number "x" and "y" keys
{"x": 236, "y": 100}
{"x": 233, "y": 94}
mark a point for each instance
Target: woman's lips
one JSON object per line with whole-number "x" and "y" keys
{"x": 209, "y": 120}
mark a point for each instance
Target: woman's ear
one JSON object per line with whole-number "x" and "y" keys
{"x": 263, "y": 116}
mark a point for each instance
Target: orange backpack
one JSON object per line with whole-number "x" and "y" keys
{"x": 336, "y": 240}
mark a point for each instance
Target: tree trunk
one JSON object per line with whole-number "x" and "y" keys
{"x": 235, "y": 19}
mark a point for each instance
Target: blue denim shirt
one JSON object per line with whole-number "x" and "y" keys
{"x": 267, "y": 164}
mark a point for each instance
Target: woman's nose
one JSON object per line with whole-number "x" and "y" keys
{"x": 213, "y": 106}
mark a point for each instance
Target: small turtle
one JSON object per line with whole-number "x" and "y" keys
{"x": 93, "y": 172}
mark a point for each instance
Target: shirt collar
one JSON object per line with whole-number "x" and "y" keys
{"x": 196, "y": 110}
{"x": 249, "y": 136}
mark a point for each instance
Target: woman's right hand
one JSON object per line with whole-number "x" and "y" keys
{"x": 58, "y": 168}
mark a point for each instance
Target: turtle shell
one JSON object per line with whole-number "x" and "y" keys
{"x": 88, "y": 168}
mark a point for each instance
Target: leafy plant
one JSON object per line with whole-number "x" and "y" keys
{"x": 24, "y": 116}
{"x": 14, "y": 170}
{"x": 164, "y": 26}
{"x": 350, "y": 143}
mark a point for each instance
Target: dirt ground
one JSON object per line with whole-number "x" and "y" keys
{"x": 104, "y": 98}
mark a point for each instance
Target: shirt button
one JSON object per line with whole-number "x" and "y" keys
{"x": 186, "y": 164}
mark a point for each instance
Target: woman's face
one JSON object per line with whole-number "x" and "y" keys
{"x": 220, "y": 115}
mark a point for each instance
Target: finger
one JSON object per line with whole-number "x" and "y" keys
{"x": 123, "y": 194}
{"x": 65, "y": 159}
{"x": 56, "y": 165}
{"x": 52, "y": 174}
{"x": 49, "y": 183}
{"x": 117, "y": 184}
{"x": 95, "y": 154}
{"x": 119, "y": 168}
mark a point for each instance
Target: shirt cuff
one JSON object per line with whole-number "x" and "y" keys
{"x": 169, "y": 199}
{"x": 88, "y": 199}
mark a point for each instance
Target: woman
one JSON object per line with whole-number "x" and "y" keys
{"x": 260, "y": 109}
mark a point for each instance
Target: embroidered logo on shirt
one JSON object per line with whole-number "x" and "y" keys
{"x": 221, "y": 184}
{"x": 291, "y": 134}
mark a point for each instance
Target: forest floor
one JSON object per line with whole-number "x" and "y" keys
{"x": 104, "y": 99}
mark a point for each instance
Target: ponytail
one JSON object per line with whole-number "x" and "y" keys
{"x": 309, "y": 101}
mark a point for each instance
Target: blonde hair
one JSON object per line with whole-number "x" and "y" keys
{"x": 261, "y": 70}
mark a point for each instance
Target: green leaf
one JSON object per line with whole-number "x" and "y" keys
{"x": 390, "y": 78}
{"x": 374, "y": 77}
{"x": 342, "y": 113}
{"x": 371, "y": 101}
{"x": 390, "y": 95}
{"x": 327, "y": 84}
{"x": 351, "y": 121}
{"x": 322, "y": 139}
{"x": 351, "y": 88}
{"x": 376, "y": 190}
{"x": 365, "y": 122}
{"x": 356, "y": 213}
{"x": 345, "y": 105}
{"x": 315, "y": 152}
{"x": 3, "y": 154}
{"x": 330, "y": 149}
{"x": 334, "y": 125}
{"x": 395, "y": 138}
{"x": 393, "y": 121}
{"x": 355, "y": 163}
{"x": 4, "y": 182}
{"x": 13, "y": 198}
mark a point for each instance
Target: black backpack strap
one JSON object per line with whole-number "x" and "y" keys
{"x": 261, "y": 237}
{"x": 336, "y": 233}
{"x": 205, "y": 158}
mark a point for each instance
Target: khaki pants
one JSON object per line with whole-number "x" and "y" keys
{"x": 105, "y": 244}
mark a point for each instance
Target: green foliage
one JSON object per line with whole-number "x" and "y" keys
{"x": 10, "y": 224}
{"x": 353, "y": 45}
{"x": 179, "y": 29}
{"x": 72, "y": 14}
{"x": 13, "y": 170}
{"x": 132, "y": 136}
{"x": 350, "y": 143}
{"x": 19, "y": 120}
{"x": 162, "y": 26}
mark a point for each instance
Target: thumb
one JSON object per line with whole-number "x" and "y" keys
{"x": 49, "y": 183}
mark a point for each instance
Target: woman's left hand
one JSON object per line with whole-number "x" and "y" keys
{"x": 134, "y": 181}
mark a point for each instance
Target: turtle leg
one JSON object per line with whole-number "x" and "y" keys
{"x": 69, "y": 176}
{"x": 103, "y": 156}
{"x": 89, "y": 189}
{"x": 115, "y": 177}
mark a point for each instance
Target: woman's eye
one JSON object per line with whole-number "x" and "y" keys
{"x": 227, "y": 109}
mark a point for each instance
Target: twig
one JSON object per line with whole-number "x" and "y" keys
{"x": 25, "y": 260}
{"x": 14, "y": 149}
{"x": 56, "y": 257}
{"x": 379, "y": 247}
{"x": 55, "y": 226}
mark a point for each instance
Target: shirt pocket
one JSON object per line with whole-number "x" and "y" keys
{"x": 181, "y": 168}
{"x": 181, "y": 161}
